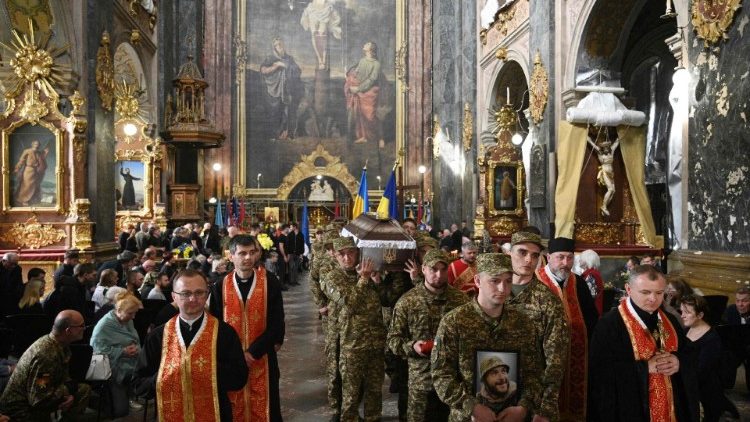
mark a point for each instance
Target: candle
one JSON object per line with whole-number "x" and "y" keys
{"x": 669, "y": 6}
{"x": 507, "y": 95}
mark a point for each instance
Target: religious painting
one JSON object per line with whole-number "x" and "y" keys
{"x": 129, "y": 185}
{"x": 320, "y": 72}
{"x": 506, "y": 191}
{"x": 271, "y": 214}
{"x": 32, "y": 155}
{"x": 497, "y": 382}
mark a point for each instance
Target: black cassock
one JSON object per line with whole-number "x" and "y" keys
{"x": 619, "y": 384}
{"x": 230, "y": 366}
{"x": 263, "y": 345}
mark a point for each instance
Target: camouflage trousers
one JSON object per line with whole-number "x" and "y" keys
{"x": 425, "y": 406}
{"x": 362, "y": 374}
{"x": 332, "y": 371}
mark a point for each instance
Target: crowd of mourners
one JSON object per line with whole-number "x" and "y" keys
{"x": 527, "y": 330}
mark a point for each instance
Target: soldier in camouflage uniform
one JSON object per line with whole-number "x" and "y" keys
{"x": 425, "y": 243}
{"x": 546, "y": 310}
{"x": 322, "y": 261}
{"x": 357, "y": 294}
{"x": 413, "y": 328}
{"x": 40, "y": 384}
{"x": 485, "y": 324}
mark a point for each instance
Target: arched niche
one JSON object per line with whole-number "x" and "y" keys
{"x": 511, "y": 75}
{"x": 318, "y": 163}
{"x": 129, "y": 68}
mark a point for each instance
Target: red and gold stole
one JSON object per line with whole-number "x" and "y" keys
{"x": 461, "y": 275}
{"x": 251, "y": 404}
{"x": 186, "y": 386}
{"x": 660, "y": 398}
{"x": 574, "y": 385}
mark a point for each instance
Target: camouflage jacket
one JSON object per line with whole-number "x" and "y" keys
{"x": 545, "y": 309}
{"x": 37, "y": 386}
{"x": 416, "y": 317}
{"x": 360, "y": 319}
{"x": 321, "y": 263}
{"x": 466, "y": 330}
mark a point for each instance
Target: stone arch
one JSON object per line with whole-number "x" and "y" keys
{"x": 129, "y": 67}
{"x": 498, "y": 69}
{"x": 318, "y": 162}
{"x": 513, "y": 72}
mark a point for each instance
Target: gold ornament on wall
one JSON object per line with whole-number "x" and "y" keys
{"x": 306, "y": 168}
{"x": 468, "y": 133}
{"x": 32, "y": 64}
{"x": 105, "y": 73}
{"x": 538, "y": 90}
{"x": 712, "y": 18}
{"x": 32, "y": 234}
{"x": 501, "y": 53}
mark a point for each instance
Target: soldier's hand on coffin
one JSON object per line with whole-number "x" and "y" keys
{"x": 365, "y": 268}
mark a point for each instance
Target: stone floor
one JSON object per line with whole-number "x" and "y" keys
{"x": 303, "y": 384}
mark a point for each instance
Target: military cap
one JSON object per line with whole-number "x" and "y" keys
{"x": 491, "y": 363}
{"x": 434, "y": 256}
{"x": 126, "y": 256}
{"x": 426, "y": 241}
{"x": 562, "y": 244}
{"x": 493, "y": 263}
{"x": 330, "y": 235}
{"x": 526, "y": 237}
{"x": 343, "y": 243}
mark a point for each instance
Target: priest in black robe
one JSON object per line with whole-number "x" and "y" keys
{"x": 245, "y": 253}
{"x": 619, "y": 384}
{"x": 190, "y": 292}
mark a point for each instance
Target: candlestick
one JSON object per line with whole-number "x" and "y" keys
{"x": 507, "y": 93}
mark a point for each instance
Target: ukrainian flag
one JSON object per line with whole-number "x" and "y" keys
{"x": 361, "y": 201}
{"x": 388, "y": 206}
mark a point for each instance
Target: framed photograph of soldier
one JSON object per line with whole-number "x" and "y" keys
{"x": 506, "y": 191}
{"x": 496, "y": 379}
{"x": 130, "y": 176}
{"x": 33, "y": 156}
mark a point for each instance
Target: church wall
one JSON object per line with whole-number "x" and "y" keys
{"x": 454, "y": 83}
{"x": 718, "y": 161}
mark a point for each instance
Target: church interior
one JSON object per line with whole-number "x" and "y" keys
{"x": 622, "y": 125}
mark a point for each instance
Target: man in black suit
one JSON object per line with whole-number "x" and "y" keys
{"x": 11, "y": 285}
{"x": 739, "y": 315}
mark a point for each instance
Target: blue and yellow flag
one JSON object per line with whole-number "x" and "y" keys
{"x": 388, "y": 206}
{"x": 361, "y": 201}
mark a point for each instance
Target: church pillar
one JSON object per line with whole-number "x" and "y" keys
{"x": 454, "y": 84}
{"x": 542, "y": 40}
{"x": 100, "y": 131}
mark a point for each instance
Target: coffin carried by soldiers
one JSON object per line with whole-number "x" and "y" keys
{"x": 382, "y": 241}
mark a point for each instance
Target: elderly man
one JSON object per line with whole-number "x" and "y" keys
{"x": 461, "y": 272}
{"x": 41, "y": 384}
{"x": 192, "y": 361}
{"x": 11, "y": 285}
{"x": 581, "y": 316}
{"x": 413, "y": 328}
{"x": 545, "y": 309}
{"x": 486, "y": 323}
{"x": 640, "y": 358}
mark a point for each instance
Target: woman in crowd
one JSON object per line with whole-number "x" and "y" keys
{"x": 707, "y": 343}
{"x": 116, "y": 337}
{"x": 218, "y": 270}
{"x": 107, "y": 279}
{"x": 677, "y": 288}
{"x": 590, "y": 266}
{"x": 31, "y": 301}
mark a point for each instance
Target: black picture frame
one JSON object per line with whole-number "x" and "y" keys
{"x": 504, "y": 366}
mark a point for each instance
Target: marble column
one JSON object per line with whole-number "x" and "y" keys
{"x": 100, "y": 130}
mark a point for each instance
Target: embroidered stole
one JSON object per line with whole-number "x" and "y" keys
{"x": 660, "y": 398}
{"x": 572, "y": 402}
{"x": 251, "y": 404}
{"x": 186, "y": 385}
{"x": 463, "y": 280}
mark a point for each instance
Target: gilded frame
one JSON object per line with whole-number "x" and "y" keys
{"x": 148, "y": 180}
{"x": 515, "y": 168}
{"x": 240, "y": 42}
{"x": 60, "y": 154}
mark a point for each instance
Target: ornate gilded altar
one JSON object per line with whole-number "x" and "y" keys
{"x": 500, "y": 205}
{"x": 44, "y": 210}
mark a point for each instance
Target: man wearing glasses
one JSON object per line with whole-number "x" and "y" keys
{"x": 249, "y": 300}
{"x": 192, "y": 359}
{"x": 41, "y": 384}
